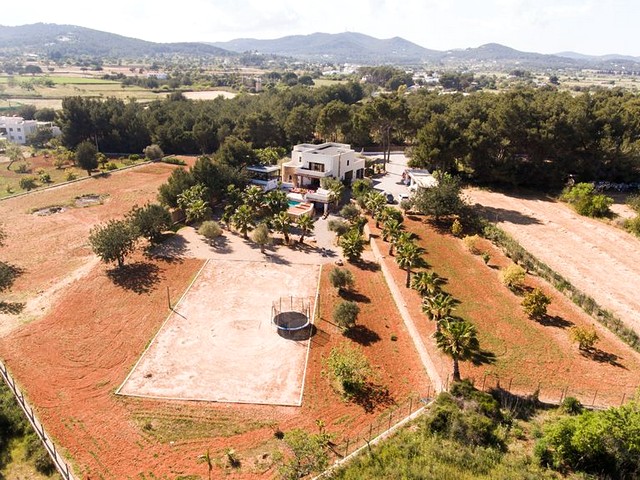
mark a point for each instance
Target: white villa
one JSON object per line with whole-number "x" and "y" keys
{"x": 17, "y": 129}
{"x": 310, "y": 163}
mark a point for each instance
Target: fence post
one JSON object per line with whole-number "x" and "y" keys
{"x": 593, "y": 402}
{"x": 410, "y": 405}
{"x": 346, "y": 450}
{"x": 510, "y": 382}
{"x": 624, "y": 394}
{"x": 370, "y": 430}
{"x": 390, "y": 418}
{"x": 484, "y": 379}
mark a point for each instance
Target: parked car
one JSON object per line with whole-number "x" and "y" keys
{"x": 389, "y": 197}
{"x": 403, "y": 196}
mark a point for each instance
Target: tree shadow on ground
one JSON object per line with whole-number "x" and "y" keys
{"x": 139, "y": 277}
{"x": 483, "y": 357}
{"x": 171, "y": 248}
{"x": 496, "y": 214}
{"x": 220, "y": 244}
{"x": 362, "y": 335}
{"x": 602, "y": 357}
{"x": 276, "y": 258}
{"x": 371, "y": 396}
{"x": 366, "y": 265}
{"x": 352, "y": 296}
{"x": 319, "y": 336}
{"x": 11, "y": 308}
{"x": 554, "y": 321}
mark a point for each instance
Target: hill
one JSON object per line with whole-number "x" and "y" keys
{"x": 60, "y": 41}
{"x": 340, "y": 47}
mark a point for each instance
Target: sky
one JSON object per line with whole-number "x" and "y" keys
{"x": 593, "y": 27}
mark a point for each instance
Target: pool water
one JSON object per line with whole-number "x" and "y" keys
{"x": 293, "y": 203}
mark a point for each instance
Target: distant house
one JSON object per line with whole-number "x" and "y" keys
{"x": 265, "y": 176}
{"x": 311, "y": 163}
{"x": 17, "y": 129}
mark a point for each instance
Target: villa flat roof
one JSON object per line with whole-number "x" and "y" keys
{"x": 263, "y": 168}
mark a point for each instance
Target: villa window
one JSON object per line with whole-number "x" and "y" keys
{"x": 316, "y": 167}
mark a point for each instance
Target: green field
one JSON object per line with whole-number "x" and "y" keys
{"x": 58, "y": 80}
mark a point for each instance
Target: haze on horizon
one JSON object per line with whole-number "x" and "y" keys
{"x": 594, "y": 27}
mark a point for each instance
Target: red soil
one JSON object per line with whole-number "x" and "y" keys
{"x": 528, "y": 354}
{"x": 70, "y": 361}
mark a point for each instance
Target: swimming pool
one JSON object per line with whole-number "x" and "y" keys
{"x": 293, "y": 203}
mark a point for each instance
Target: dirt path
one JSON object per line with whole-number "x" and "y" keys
{"x": 597, "y": 258}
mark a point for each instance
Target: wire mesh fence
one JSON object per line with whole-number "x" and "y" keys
{"x": 60, "y": 463}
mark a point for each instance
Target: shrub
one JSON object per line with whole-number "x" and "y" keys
{"x": 71, "y": 175}
{"x": 150, "y": 220}
{"x": 585, "y": 337}
{"x": 535, "y": 303}
{"x": 571, "y": 406}
{"x": 153, "y": 152}
{"x": 134, "y": 157}
{"x": 349, "y": 211}
{"x": 633, "y": 225}
{"x": 345, "y": 315}
{"x": 111, "y": 166}
{"x": 486, "y": 257}
{"x": 634, "y": 202}
{"x": 23, "y": 167}
{"x": 45, "y": 177}
{"x": 307, "y": 454}
{"x": 210, "y": 230}
{"x": 473, "y": 244}
{"x": 27, "y": 183}
{"x": 586, "y": 201}
{"x": 456, "y": 228}
{"x": 340, "y": 227}
{"x": 406, "y": 205}
{"x": 173, "y": 161}
{"x": 341, "y": 278}
{"x": 347, "y": 370}
{"x": 513, "y": 277}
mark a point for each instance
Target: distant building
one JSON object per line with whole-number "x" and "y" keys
{"x": 311, "y": 163}
{"x": 17, "y": 129}
{"x": 416, "y": 179}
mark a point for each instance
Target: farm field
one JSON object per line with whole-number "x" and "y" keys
{"x": 519, "y": 354}
{"x": 84, "y": 327}
{"x": 599, "y": 259}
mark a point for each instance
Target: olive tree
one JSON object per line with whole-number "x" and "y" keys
{"x": 113, "y": 241}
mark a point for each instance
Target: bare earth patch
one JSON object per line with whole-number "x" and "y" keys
{"x": 597, "y": 258}
{"x": 219, "y": 343}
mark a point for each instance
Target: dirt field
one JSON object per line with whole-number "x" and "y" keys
{"x": 52, "y": 250}
{"x": 219, "y": 344}
{"x": 85, "y": 327}
{"x": 599, "y": 259}
{"x": 519, "y": 353}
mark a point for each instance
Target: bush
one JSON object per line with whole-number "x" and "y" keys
{"x": 345, "y": 315}
{"x": 173, "y": 161}
{"x": 585, "y": 337}
{"x": 513, "y": 277}
{"x": 350, "y": 211}
{"x": 586, "y": 201}
{"x": 134, "y": 157}
{"x": 70, "y": 176}
{"x": 633, "y": 225}
{"x": 150, "y": 220}
{"x": 28, "y": 183}
{"x": 347, "y": 370}
{"x": 23, "y": 167}
{"x": 45, "y": 177}
{"x": 153, "y": 152}
{"x": 210, "y": 230}
{"x": 571, "y": 406}
{"x": 535, "y": 303}
{"x": 339, "y": 227}
{"x": 456, "y": 228}
{"x": 111, "y": 166}
{"x": 341, "y": 278}
{"x": 634, "y": 202}
{"x": 472, "y": 243}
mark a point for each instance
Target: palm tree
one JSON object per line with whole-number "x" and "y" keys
{"x": 253, "y": 196}
{"x": 305, "y": 224}
{"x": 438, "y": 307}
{"x": 398, "y": 238}
{"x": 282, "y": 223}
{"x": 374, "y": 202}
{"x": 426, "y": 283}
{"x": 458, "y": 339}
{"x": 352, "y": 245}
{"x": 208, "y": 459}
{"x": 261, "y": 236}
{"x": 243, "y": 220}
{"x": 409, "y": 255}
